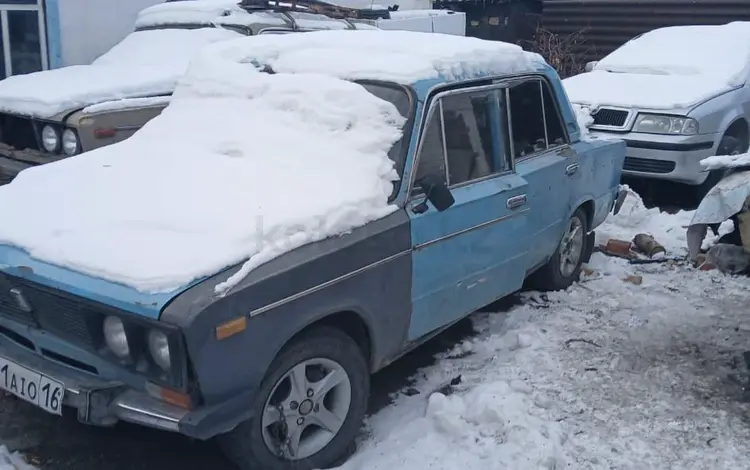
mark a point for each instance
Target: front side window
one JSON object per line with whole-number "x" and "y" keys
{"x": 466, "y": 138}
{"x": 474, "y": 132}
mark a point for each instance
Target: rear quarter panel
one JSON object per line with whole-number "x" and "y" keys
{"x": 600, "y": 168}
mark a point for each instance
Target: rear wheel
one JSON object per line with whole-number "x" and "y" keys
{"x": 309, "y": 409}
{"x": 564, "y": 267}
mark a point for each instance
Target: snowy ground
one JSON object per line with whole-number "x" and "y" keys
{"x": 608, "y": 375}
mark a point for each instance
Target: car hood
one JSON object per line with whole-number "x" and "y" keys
{"x": 144, "y": 64}
{"x": 50, "y": 93}
{"x": 643, "y": 91}
{"x": 19, "y": 263}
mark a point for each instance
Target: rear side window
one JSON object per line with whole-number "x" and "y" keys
{"x": 536, "y": 123}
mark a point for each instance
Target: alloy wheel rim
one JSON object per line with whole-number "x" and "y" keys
{"x": 571, "y": 247}
{"x": 306, "y": 408}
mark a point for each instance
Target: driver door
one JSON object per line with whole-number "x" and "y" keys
{"x": 474, "y": 252}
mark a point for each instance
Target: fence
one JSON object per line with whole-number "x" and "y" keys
{"x": 605, "y": 25}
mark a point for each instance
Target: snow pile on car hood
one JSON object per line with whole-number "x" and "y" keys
{"x": 667, "y": 68}
{"x": 244, "y": 166}
{"x": 145, "y": 63}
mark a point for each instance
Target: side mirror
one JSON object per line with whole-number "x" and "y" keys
{"x": 436, "y": 192}
{"x": 590, "y": 65}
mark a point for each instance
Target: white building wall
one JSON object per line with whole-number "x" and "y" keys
{"x": 89, "y": 28}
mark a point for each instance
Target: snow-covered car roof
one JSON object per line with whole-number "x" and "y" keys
{"x": 402, "y": 57}
{"x": 228, "y": 13}
{"x": 719, "y": 51}
{"x": 205, "y": 184}
{"x": 145, "y": 63}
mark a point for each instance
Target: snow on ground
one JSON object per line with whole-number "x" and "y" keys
{"x": 144, "y": 64}
{"x": 657, "y": 71}
{"x": 607, "y": 375}
{"x": 12, "y": 460}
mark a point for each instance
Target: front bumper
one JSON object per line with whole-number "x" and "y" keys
{"x": 667, "y": 157}
{"x": 12, "y": 161}
{"x": 95, "y": 400}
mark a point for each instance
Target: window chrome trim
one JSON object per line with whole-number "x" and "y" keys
{"x": 445, "y": 144}
{"x": 436, "y": 99}
{"x": 544, "y": 114}
{"x": 542, "y": 153}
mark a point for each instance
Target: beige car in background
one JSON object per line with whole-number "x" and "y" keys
{"x": 54, "y": 114}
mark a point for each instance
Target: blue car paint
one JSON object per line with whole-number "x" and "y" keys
{"x": 550, "y": 193}
{"x": 478, "y": 250}
{"x": 19, "y": 263}
{"x": 454, "y": 276}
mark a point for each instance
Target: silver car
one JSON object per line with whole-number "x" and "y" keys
{"x": 675, "y": 95}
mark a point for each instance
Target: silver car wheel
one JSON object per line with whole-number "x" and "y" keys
{"x": 306, "y": 408}
{"x": 571, "y": 247}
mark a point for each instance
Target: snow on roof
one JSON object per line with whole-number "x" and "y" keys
{"x": 145, "y": 63}
{"x": 397, "y": 56}
{"x": 227, "y": 12}
{"x": 719, "y": 51}
{"x": 205, "y": 12}
{"x": 184, "y": 197}
{"x": 668, "y": 68}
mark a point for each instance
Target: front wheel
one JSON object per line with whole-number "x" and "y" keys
{"x": 309, "y": 409}
{"x": 564, "y": 267}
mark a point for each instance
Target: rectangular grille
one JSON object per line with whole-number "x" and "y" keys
{"x": 610, "y": 117}
{"x": 55, "y": 312}
{"x": 648, "y": 165}
{"x": 18, "y": 132}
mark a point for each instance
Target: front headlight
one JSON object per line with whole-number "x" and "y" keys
{"x": 158, "y": 346}
{"x": 69, "y": 142}
{"x": 116, "y": 337}
{"x": 659, "y": 124}
{"x": 50, "y": 139}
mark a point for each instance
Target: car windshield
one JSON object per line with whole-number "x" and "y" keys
{"x": 399, "y": 97}
{"x": 686, "y": 51}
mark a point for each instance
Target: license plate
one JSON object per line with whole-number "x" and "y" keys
{"x": 31, "y": 386}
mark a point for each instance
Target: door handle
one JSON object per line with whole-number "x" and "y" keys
{"x": 571, "y": 169}
{"x": 515, "y": 201}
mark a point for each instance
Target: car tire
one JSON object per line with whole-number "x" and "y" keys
{"x": 553, "y": 276}
{"x": 728, "y": 145}
{"x": 250, "y": 444}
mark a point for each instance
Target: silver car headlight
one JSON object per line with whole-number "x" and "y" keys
{"x": 158, "y": 346}
{"x": 50, "y": 139}
{"x": 69, "y": 142}
{"x": 116, "y": 337}
{"x": 662, "y": 124}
